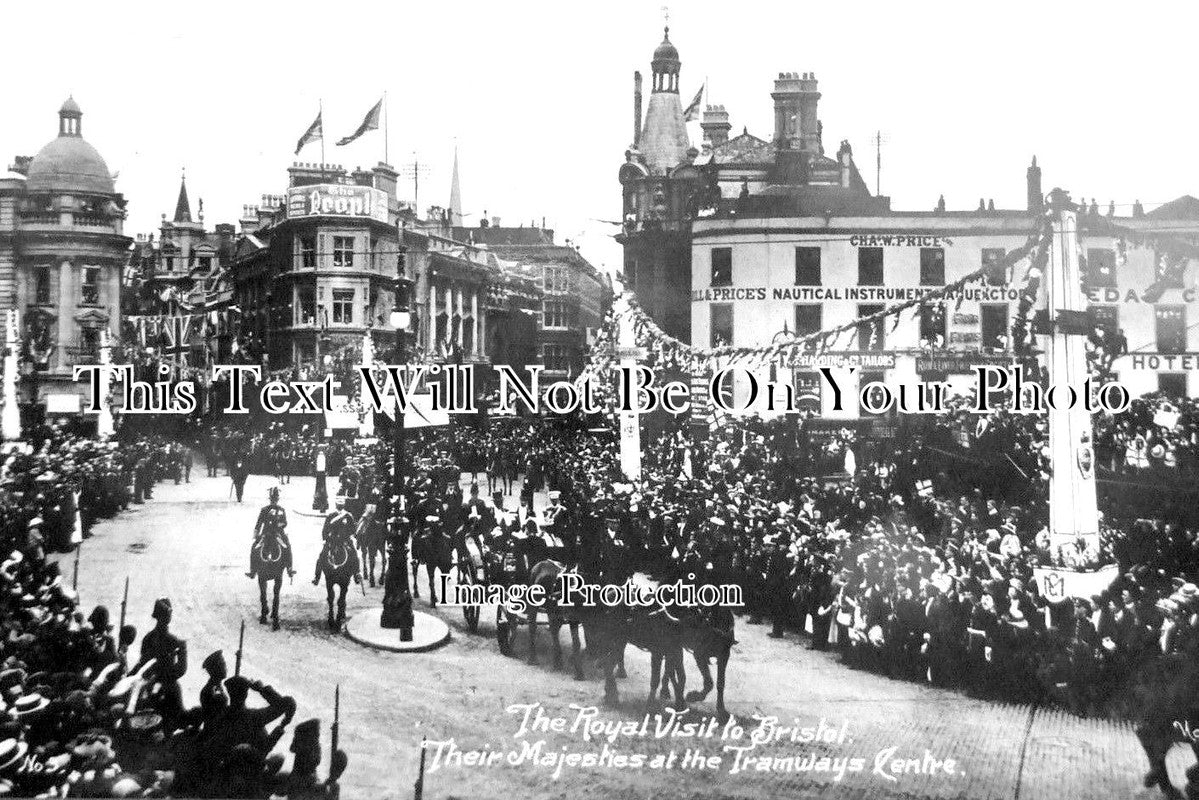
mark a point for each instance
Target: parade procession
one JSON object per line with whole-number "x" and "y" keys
{"x": 721, "y": 474}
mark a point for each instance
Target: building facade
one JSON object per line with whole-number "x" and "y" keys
{"x": 575, "y": 297}
{"x": 62, "y": 254}
{"x": 176, "y": 294}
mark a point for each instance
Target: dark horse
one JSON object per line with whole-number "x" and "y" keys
{"x": 269, "y": 565}
{"x": 710, "y": 637}
{"x": 372, "y": 542}
{"x": 1167, "y": 701}
{"x": 339, "y": 564}
{"x": 656, "y": 631}
{"x": 432, "y": 546}
{"x": 546, "y": 575}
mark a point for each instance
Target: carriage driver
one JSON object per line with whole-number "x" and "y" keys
{"x": 272, "y": 516}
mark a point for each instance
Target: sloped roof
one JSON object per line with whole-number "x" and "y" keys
{"x": 664, "y": 143}
{"x": 743, "y": 149}
{"x": 1185, "y": 207}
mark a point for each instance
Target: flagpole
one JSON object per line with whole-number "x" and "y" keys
{"x": 386, "y": 131}
{"x": 321, "y": 114}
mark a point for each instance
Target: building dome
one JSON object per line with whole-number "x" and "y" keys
{"x": 68, "y": 163}
{"x": 666, "y": 52}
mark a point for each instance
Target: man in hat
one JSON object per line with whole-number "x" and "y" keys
{"x": 103, "y": 646}
{"x": 169, "y": 653}
{"x": 214, "y": 700}
{"x": 247, "y": 726}
{"x": 271, "y": 517}
{"x": 474, "y": 505}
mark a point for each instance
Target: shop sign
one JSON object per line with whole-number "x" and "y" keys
{"x": 729, "y": 294}
{"x": 958, "y": 363}
{"x": 844, "y": 359}
{"x": 337, "y": 200}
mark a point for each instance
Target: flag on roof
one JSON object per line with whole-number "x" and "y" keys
{"x": 692, "y": 111}
{"x": 369, "y": 123}
{"x": 315, "y": 131}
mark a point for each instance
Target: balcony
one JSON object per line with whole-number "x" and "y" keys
{"x": 83, "y": 353}
{"x": 39, "y": 217}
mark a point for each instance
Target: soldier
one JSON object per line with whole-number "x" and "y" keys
{"x": 272, "y": 517}
{"x": 238, "y": 472}
{"x": 170, "y": 656}
{"x": 214, "y": 700}
{"x": 474, "y": 505}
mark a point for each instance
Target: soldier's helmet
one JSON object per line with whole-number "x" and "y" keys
{"x": 273, "y": 494}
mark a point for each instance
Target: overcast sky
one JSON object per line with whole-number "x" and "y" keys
{"x": 538, "y": 95}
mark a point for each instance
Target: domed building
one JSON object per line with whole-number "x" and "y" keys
{"x": 62, "y": 252}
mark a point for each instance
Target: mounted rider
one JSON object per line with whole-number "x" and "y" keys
{"x": 338, "y": 531}
{"x": 271, "y": 517}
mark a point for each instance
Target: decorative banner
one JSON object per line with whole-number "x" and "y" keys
{"x": 1056, "y": 585}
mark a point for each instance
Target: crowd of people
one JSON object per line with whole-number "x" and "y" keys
{"x": 80, "y": 715}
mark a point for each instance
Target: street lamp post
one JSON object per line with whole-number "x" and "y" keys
{"x": 397, "y": 596}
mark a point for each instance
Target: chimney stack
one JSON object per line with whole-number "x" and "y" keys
{"x": 636, "y": 108}
{"x": 1036, "y": 202}
{"x": 715, "y": 126}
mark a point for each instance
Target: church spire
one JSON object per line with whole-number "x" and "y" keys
{"x": 183, "y": 211}
{"x": 455, "y": 195}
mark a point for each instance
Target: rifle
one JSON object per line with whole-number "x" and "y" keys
{"x": 335, "y": 730}
{"x": 124, "y": 609}
{"x": 75, "y": 578}
{"x": 241, "y": 638}
{"x": 419, "y": 792}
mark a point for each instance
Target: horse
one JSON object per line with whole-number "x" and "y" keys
{"x": 268, "y": 555}
{"x": 433, "y": 547}
{"x": 710, "y": 639}
{"x": 1166, "y": 693}
{"x": 656, "y": 631}
{"x": 372, "y": 543}
{"x": 338, "y": 565}
{"x": 546, "y": 574}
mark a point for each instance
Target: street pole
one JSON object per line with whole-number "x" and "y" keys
{"x": 10, "y": 416}
{"x": 397, "y": 596}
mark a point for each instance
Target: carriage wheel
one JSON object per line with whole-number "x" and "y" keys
{"x": 466, "y": 577}
{"x": 503, "y": 631}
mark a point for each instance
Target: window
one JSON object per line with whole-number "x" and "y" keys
{"x": 808, "y": 320}
{"x": 722, "y": 266}
{"x": 170, "y": 263}
{"x": 343, "y": 306}
{"x": 721, "y": 324}
{"x": 871, "y": 335}
{"x": 305, "y": 305}
{"x": 1169, "y": 270}
{"x": 932, "y": 266}
{"x": 807, "y": 391}
{"x": 555, "y": 314}
{"x": 205, "y": 264}
{"x": 1107, "y": 318}
{"x": 1101, "y": 268}
{"x": 1171, "y": 329}
{"x": 991, "y": 256}
{"x": 41, "y": 285}
{"x": 307, "y": 248}
{"x": 876, "y": 393}
{"x": 870, "y": 266}
{"x": 993, "y": 317}
{"x": 932, "y": 325}
{"x": 554, "y": 357}
{"x": 90, "y": 290}
{"x": 807, "y": 266}
{"x": 343, "y": 251}
{"x": 1173, "y": 384}
{"x": 89, "y": 341}
{"x": 557, "y": 280}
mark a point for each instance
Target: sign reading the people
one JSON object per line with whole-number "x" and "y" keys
{"x": 336, "y": 200}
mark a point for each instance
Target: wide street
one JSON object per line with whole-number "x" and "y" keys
{"x": 190, "y": 544}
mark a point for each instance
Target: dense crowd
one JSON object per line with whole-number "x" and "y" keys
{"x": 79, "y": 715}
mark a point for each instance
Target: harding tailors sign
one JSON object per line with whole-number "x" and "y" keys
{"x": 981, "y": 294}
{"x": 337, "y": 200}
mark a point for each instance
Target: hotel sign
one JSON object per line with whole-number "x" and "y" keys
{"x": 1172, "y": 362}
{"x": 337, "y": 200}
